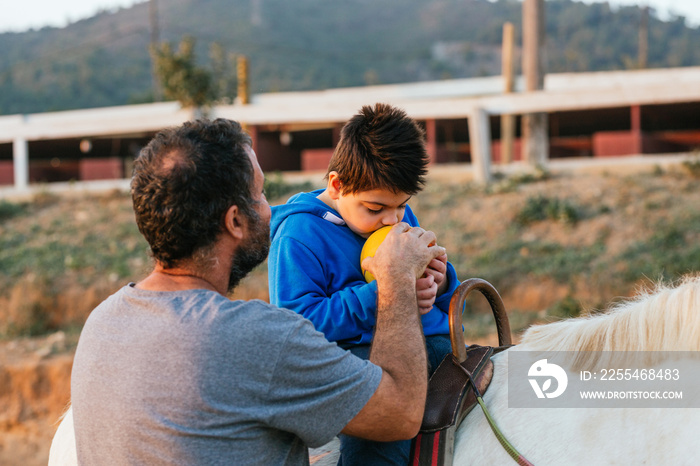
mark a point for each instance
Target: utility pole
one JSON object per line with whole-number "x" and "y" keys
{"x": 534, "y": 126}
{"x": 507, "y": 121}
{"x": 644, "y": 38}
{"x": 256, "y": 12}
{"x": 155, "y": 40}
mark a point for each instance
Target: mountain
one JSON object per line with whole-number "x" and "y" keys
{"x": 318, "y": 44}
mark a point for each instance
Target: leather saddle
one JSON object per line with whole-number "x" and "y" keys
{"x": 450, "y": 393}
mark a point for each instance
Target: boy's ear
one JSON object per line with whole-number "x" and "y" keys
{"x": 333, "y": 185}
{"x": 235, "y": 222}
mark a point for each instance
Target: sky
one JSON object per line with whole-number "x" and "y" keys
{"x": 665, "y": 8}
{"x": 22, "y": 15}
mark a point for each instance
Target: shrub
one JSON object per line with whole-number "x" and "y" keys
{"x": 692, "y": 167}
{"x": 9, "y": 210}
{"x": 276, "y": 186}
{"x": 540, "y": 208}
{"x": 26, "y": 312}
{"x": 671, "y": 252}
{"x": 505, "y": 183}
{"x": 565, "y": 308}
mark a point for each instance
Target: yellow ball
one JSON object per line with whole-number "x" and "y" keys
{"x": 370, "y": 248}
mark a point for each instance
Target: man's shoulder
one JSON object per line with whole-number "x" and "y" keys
{"x": 257, "y": 324}
{"x": 259, "y": 313}
{"x": 196, "y": 306}
{"x": 260, "y": 307}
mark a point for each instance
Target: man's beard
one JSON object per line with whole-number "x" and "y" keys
{"x": 252, "y": 253}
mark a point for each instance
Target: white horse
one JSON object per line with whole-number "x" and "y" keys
{"x": 667, "y": 319}
{"x": 63, "y": 450}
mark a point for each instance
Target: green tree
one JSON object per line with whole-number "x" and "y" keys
{"x": 184, "y": 81}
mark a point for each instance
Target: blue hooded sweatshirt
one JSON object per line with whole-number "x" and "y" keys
{"x": 314, "y": 270}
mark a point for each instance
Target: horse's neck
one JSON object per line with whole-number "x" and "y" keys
{"x": 575, "y": 436}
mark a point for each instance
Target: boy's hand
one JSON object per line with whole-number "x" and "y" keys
{"x": 426, "y": 292}
{"x": 437, "y": 268}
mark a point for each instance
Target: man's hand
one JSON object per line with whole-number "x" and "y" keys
{"x": 395, "y": 411}
{"x": 405, "y": 251}
{"x": 397, "y": 252}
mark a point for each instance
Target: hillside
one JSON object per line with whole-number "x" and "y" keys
{"x": 554, "y": 244}
{"x": 316, "y": 44}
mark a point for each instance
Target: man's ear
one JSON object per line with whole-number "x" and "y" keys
{"x": 235, "y": 222}
{"x": 334, "y": 187}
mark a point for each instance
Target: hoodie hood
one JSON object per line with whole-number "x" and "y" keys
{"x": 303, "y": 203}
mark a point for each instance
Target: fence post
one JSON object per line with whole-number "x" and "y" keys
{"x": 243, "y": 96}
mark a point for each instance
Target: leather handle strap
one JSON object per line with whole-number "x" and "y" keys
{"x": 457, "y": 305}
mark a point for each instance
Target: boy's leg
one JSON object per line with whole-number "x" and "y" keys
{"x": 437, "y": 347}
{"x": 361, "y": 452}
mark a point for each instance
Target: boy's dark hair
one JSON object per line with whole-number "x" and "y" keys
{"x": 380, "y": 148}
{"x": 185, "y": 180}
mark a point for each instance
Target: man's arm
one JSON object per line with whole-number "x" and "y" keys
{"x": 395, "y": 411}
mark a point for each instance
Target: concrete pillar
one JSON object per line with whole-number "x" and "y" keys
{"x": 636, "y": 129}
{"x": 480, "y": 145}
{"x": 336, "y": 134}
{"x": 431, "y": 139}
{"x": 636, "y": 118}
{"x": 535, "y": 139}
{"x": 20, "y": 162}
{"x": 253, "y": 132}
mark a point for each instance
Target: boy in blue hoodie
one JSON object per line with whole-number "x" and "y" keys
{"x": 314, "y": 262}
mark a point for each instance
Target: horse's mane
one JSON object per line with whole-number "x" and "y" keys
{"x": 664, "y": 318}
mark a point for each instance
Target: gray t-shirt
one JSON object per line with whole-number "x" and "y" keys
{"x": 191, "y": 377}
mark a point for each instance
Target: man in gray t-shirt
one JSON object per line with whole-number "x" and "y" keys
{"x": 170, "y": 371}
{"x": 170, "y": 377}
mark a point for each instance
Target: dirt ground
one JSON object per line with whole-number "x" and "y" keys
{"x": 35, "y": 381}
{"x": 35, "y": 372}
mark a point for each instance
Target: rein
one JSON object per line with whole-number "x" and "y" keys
{"x": 507, "y": 446}
{"x": 459, "y": 350}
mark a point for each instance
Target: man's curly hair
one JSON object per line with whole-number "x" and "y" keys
{"x": 185, "y": 180}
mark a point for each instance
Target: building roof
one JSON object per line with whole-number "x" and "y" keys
{"x": 456, "y": 98}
